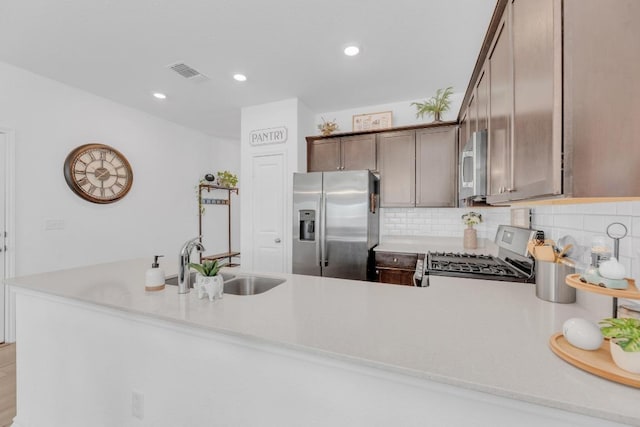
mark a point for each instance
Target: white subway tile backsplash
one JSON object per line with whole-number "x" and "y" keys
{"x": 600, "y": 208}
{"x": 626, "y": 247}
{"x": 581, "y": 221}
{"x": 440, "y": 222}
{"x": 635, "y": 226}
{"x": 586, "y": 221}
{"x": 574, "y": 222}
{"x": 624, "y": 208}
{"x": 594, "y": 223}
{"x": 544, "y": 209}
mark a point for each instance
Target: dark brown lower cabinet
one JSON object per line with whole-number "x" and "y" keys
{"x": 395, "y": 268}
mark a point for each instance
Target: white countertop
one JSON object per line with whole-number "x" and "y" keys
{"x": 483, "y": 335}
{"x": 424, "y": 244}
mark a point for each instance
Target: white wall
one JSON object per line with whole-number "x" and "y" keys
{"x": 296, "y": 117}
{"x": 404, "y": 114}
{"x": 158, "y": 214}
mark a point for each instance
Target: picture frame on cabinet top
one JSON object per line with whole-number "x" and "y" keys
{"x": 372, "y": 121}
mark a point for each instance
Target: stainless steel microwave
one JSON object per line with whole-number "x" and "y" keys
{"x": 473, "y": 168}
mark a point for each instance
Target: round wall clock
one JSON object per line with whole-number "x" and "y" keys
{"x": 98, "y": 173}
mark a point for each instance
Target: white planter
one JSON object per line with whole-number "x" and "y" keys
{"x": 212, "y": 286}
{"x": 626, "y": 360}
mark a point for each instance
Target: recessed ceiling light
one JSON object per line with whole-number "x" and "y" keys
{"x": 160, "y": 95}
{"x": 351, "y": 50}
{"x": 240, "y": 77}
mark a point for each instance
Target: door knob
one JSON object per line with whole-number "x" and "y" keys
{"x": 277, "y": 240}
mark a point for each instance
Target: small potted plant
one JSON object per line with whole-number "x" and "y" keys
{"x": 470, "y": 235}
{"x": 227, "y": 179}
{"x": 624, "y": 342}
{"x": 328, "y": 127}
{"x": 208, "y": 281}
{"x": 436, "y": 105}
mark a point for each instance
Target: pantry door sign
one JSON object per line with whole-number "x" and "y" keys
{"x": 268, "y": 136}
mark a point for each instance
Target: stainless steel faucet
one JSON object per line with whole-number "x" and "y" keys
{"x": 184, "y": 278}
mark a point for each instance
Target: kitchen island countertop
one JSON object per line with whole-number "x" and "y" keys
{"x": 482, "y": 335}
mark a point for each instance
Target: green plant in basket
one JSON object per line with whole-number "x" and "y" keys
{"x": 227, "y": 179}
{"x": 624, "y": 331}
{"x": 436, "y": 105}
{"x": 207, "y": 268}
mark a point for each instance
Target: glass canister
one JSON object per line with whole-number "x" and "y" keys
{"x": 600, "y": 251}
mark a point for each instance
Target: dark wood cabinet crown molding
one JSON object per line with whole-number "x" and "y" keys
{"x": 393, "y": 129}
{"x": 501, "y": 5}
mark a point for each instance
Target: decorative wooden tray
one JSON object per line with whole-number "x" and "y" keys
{"x": 597, "y": 362}
{"x": 631, "y": 292}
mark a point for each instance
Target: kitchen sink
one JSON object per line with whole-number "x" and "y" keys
{"x": 173, "y": 280}
{"x": 243, "y": 285}
{"x": 251, "y": 285}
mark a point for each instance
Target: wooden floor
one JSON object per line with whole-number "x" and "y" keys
{"x": 7, "y": 384}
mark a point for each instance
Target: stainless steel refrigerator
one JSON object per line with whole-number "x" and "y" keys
{"x": 335, "y": 223}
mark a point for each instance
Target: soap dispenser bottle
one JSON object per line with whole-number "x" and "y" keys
{"x": 154, "y": 277}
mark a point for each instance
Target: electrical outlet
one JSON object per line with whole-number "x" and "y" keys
{"x": 137, "y": 404}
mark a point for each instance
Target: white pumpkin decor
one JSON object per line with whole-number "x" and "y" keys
{"x": 612, "y": 269}
{"x": 582, "y": 333}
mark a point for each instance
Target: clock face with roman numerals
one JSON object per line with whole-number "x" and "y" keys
{"x": 98, "y": 173}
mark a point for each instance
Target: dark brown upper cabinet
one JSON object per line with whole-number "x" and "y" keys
{"x": 560, "y": 79}
{"x": 436, "y": 167}
{"x": 356, "y": 152}
{"x": 397, "y": 160}
{"x": 419, "y": 168}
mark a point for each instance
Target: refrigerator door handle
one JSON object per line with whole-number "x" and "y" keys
{"x": 323, "y": 230}
{"x": 372, "y": 202}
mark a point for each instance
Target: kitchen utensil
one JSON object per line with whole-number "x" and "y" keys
{"x": 567, "y": 240}
{"x": 565, "y": 250}
{"x": 545, "y": 253}
{"x": 542, "y": 250}
{"x": 567, "y": 261}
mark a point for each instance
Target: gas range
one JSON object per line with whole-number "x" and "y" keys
{"x": 512, "y": 263}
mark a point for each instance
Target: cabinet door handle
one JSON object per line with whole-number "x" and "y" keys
{"x": 277, "y": 240}
{"x": 338, "y": 168}
{"x": 509, "y": 190}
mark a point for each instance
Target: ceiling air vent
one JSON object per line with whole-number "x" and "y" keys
{"x": 186, "y": 71}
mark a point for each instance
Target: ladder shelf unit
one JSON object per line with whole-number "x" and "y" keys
{"x": 202, "y": 201}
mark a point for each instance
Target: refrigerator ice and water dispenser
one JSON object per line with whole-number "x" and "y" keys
{"x": 307, "y": 224}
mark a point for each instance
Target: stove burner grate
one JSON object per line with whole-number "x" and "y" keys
{"x": 469, "y": 264}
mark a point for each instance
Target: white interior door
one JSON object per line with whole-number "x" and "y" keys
{"x": 268, "y": 213}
